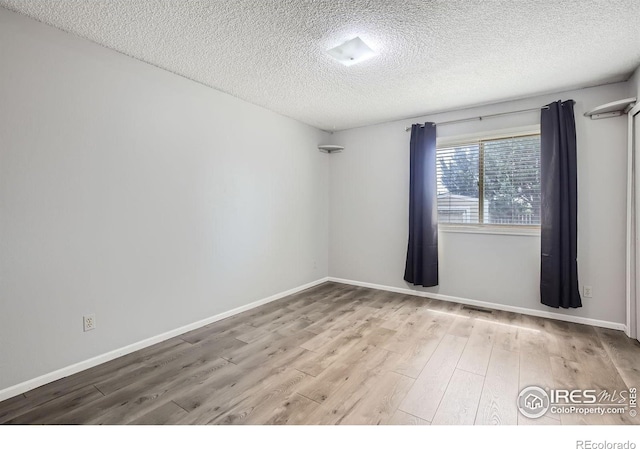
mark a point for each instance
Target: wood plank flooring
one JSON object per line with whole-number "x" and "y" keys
{"x": 338, "y": 354}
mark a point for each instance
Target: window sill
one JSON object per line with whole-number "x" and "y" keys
{"x": 532, "y": 231}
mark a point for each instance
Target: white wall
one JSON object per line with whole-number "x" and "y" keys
{"x": 369, "y": 212}
{"x": 140, "y": 196}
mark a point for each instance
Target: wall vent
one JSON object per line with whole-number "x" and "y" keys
{"x": 477, "y": 309}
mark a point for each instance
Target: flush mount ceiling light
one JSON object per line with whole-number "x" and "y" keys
{"x": 351, "y": 52}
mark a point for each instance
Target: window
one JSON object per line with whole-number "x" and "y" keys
{"x": 490, "y": 182}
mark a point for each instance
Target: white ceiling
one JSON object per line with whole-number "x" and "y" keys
{"x": 433, "y": 55}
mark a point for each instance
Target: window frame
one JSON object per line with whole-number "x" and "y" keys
{"x": 477, "y": 138}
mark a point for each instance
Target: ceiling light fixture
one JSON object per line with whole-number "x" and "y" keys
{"x": 351, "y": 52}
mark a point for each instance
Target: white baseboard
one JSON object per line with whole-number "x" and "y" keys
{"x": 94, "y": 361}
{"x": 490, "y": 305}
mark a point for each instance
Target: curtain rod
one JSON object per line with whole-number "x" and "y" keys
{"x": 482, "y": 117}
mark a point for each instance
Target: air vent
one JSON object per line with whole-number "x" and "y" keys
{"x": 477, "y": 309}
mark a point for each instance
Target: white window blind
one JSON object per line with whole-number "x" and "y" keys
{"x": 493, "y": 182}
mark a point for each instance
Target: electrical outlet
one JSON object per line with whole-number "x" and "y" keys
{"x": 588, "y": 292}
{"x": 89, "y": 322}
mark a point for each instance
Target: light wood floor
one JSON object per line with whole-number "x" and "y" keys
{"x": 338, "y": 354}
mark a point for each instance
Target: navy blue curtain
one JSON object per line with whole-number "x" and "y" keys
{"x": 422, "y": 252}
{"x": 559, "y": 208}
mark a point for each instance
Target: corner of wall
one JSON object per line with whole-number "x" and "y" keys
{"x": 634, "y": 83}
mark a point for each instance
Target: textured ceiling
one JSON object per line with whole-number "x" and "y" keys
{"x": 433, "y": 55}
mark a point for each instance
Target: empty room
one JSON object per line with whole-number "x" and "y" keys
{"x": 321, "y": 212}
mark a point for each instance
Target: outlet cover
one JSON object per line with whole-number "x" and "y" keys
{"x": 588, "y": 292}
{"x": 89, "y": 322}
